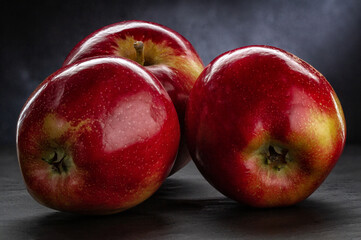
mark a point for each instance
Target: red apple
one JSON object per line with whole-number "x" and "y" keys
{"x": 263, "y": 126}
{"x": 164, "y": 52}
{"x": 97, "y": 137}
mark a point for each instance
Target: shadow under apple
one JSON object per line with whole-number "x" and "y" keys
{"x": 172, "y": 211}
{"x": 306, "y": 218}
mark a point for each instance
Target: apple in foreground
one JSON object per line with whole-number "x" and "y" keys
{"x": 164, "y": 52}
{"x": 263, "y": 126}
{"x": 97, "y": 137}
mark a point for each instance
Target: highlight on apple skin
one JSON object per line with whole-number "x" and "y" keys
{"x": 264, "y": 127}
{"x": 97, "y": 137}
{"x": 164, "y": 52}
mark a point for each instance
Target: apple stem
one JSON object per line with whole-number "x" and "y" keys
{"x": 139, "y": 49}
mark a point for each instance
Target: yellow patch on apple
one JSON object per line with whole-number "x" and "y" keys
{"x": 159, "y": 53}
{"x": 318, "y": 134}
{"x": 55, "y": 127}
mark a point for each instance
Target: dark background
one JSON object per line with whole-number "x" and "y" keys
{"x": 35, "y": 39}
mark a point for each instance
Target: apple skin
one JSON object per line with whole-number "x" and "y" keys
{"x": 167, "y": 54}
{"x": 97, "y": 137}
{"x": 263, "y": 126}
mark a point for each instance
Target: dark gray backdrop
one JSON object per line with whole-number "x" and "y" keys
{"x": 35, "y": 39}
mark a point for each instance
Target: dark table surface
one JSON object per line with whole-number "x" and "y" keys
{"x": 187, "y": 207}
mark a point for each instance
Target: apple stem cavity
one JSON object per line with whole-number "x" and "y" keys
{"x": 58, "y": 159}
{"x": 276, "y": 157}
{"x": 139, "y": 49}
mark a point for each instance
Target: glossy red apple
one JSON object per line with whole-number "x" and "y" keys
{"x": 164, "y": 52}
{"x": 263, "y": 126}
{"x": 97, "y": 137}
